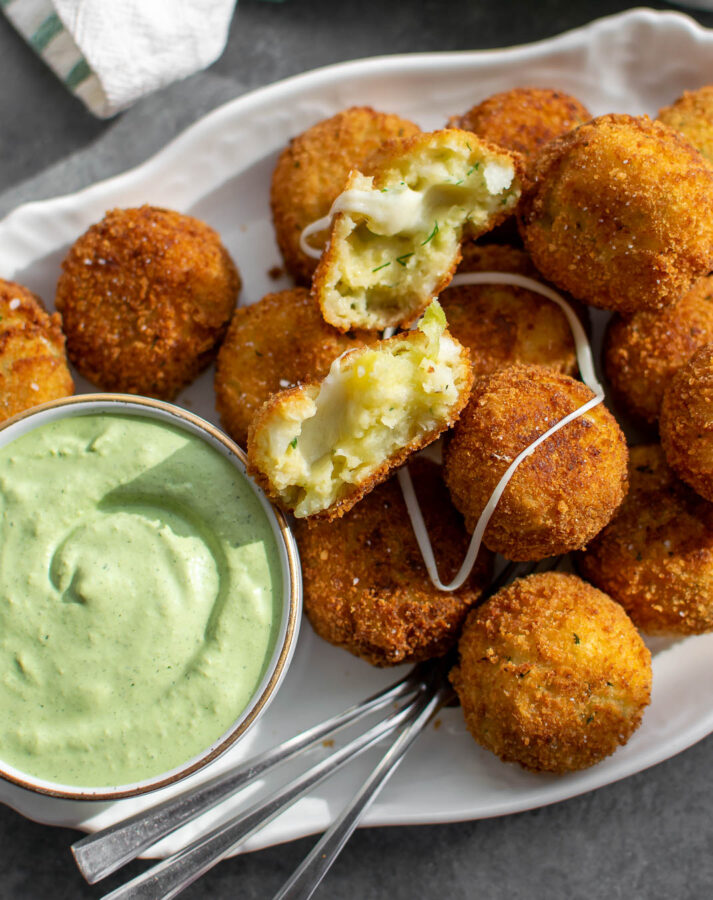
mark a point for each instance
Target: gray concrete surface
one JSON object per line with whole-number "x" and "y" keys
{"x": 650, "y": 836}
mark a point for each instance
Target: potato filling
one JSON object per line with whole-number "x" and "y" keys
{"x": 319, "y": 443}
{"x": 396, "y": 236}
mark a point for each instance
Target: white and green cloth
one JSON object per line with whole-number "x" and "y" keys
{"x": 111, "y": 52}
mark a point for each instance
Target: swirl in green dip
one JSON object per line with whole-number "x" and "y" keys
{"x": 140, "y": 597}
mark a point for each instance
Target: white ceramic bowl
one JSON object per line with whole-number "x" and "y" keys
{"x": 289, "y": 566}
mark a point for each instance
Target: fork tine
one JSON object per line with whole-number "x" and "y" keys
{"x": 309, "y": 874}
{"x": 169, "y": 877}
{"x": 102, "y": 853}
{"x": 307, "y": 877}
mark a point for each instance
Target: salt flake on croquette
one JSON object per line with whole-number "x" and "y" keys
{"x": 33, "y": 365}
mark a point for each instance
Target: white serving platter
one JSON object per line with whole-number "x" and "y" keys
{"x": 219, "y": 170}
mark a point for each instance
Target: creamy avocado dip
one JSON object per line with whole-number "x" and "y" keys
{"x": 140, "y": 598}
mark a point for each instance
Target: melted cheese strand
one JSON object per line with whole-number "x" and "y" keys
{"x": 419, "y": 526}
{"x": 582, "y": 349}
{"x": 313, "y": 227}
{"x": 388, "y": 216}
{"x": 398, "y": 210}
{"x": 585, "y": 361}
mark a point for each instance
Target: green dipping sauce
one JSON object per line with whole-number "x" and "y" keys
{"x": 140, "y": 598}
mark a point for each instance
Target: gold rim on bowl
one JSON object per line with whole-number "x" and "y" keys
{"x": 292, "y": 600}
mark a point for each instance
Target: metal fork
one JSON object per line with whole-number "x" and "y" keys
{"x": 102, "y": 853}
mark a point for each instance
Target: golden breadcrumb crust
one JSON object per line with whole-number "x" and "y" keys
{"x": 503, "y": 324}
{"x": 33, "y": 365}
{"x": 288, "y": 403}
{"x": 562, "y": 495}
{"x": 498, "y": 257}
{"x": 692, "y": 115}
{"x": 366, "y": 587}
{"x": 643, "y": 351}
{"x": 686, "y": 422}
{"x": 619, "y": 212}
{"x": 312, "y": 170}
{"x": 146, "y": 296}
{"x": 416, "y": 265}
{"x": 278, "y": 342}
{"x": 523, "y": 119}
{"x": 656, "y": 556}
{"x": 553, "y": 674}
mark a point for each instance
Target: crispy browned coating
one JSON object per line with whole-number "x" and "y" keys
{"x": 619, "y": 212}
{"x": 553, "y": 674}
{"x": 460, "y": 179}
{"x": 365, "y": 584}
{"x": 33, "y": 365}
{"x": 686, "y": 422}
{"x": 523, "y": 119}
{"x": 692, "y": 114}
{"x": 656, "y": 556}
{"x": 496, "y": 258}
{"x": 292, "y": 398}
{"x": 561, "y": 495}
{"x": 503, "y": 324}
{"x": 391, "y": 154}
{"x": 311, "y": 172}
{"x": 146, "y": 296}
{"x": 357, "y": 491}
{"x": 643, "y": 351}
{"x": 277, "y": 342}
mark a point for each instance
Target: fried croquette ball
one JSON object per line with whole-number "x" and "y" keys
{"x": 686, "y": 423}
{"x": 275, "y": 343}
{"x": 523, "y": 119}
{"x": 33, "y": 366}
{"x": 553, "y": 675}
{"x": 643, "y": 351}
{"x": 656, "y": 556}
{"x": 619, "y": 212}
{"x": 395, "y": 238}
{"x": 366, "y": 587}
{"x": 146, "y": 296}
{"x": 692, "y": 115}
{"x": 312, "y": 170}
{"x": 502, "y": 324}
{"x": 319, "y": 448}
{"x": 561, "y": 495}
{"x": 496, "y": 258}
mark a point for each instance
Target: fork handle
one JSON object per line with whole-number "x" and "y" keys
{"x": 169, "y": 877}
{"x": 98, "y": 855}
{"x": 307, "y": 877}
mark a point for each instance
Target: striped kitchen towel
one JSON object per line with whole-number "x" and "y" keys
{"x": 111, "y": 52}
